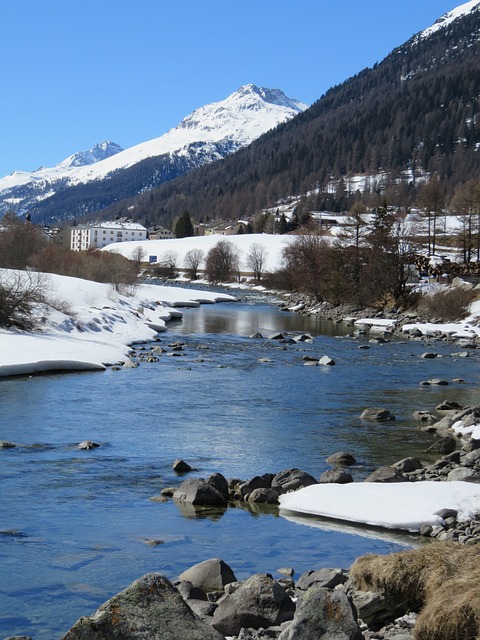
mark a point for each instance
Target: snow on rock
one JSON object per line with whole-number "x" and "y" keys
{"x": 450, "y": 16}
{"x": 403, "y": 505}
{"x": 92, "y": 325}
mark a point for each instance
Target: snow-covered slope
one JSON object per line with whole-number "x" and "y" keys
{"x": 207, "y": 134}
{"x": 447, "y": 18}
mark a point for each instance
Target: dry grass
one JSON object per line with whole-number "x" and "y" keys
{"x": 447, "y": 305}
{"x": 440, "y": 580}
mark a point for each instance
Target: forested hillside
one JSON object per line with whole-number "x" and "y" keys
{"x": 417, "y": 111}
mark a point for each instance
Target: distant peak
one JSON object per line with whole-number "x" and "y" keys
{"x": 98, "y": 152}
{"x": 272, "y": 96}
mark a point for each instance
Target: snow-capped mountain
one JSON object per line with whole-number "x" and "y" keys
{"x": 450, "y": 16}
{"x": 100, "y": 151}
{"x": 209, "y": 133}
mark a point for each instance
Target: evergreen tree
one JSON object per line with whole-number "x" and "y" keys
{"x": 184, "y": 226}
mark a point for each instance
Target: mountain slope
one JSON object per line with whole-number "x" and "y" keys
{"x": 417, "y": 111}
{"x": 209, "y": 133}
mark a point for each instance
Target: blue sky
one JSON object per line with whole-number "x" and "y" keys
{"x": 76, "y": 72}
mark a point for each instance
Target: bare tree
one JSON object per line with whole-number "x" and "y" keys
{"x": 432, "y": 200}
{"x": 466, "y": 205}
{"x": 20, "y": 291}
{"x": 193, "y": 260}
{"x": 256, "y": 257}
{"x": 222, "y": 262}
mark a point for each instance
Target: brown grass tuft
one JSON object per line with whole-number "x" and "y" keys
{"x": 441, "y": 579}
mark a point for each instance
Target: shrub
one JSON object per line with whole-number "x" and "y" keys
{"x": 448, "y": 304}
{"x": 222, "y": 262}
{"x": 20, "y": 291}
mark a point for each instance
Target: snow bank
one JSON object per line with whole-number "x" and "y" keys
{"x": 92, "y": 325}
{"x": 402, "y": 505}
{"x": 159, "y": 249}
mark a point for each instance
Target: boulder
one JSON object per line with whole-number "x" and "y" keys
{"x": 425, "y": 417}
{"x": 198, "y": 492}
{"x": 407, "y": 465}
{"x": 327, "y": 361}
{"x": 149, "y": 609}
{"x": 86, "y": 445}
{"x": 341, "y": 458}
{"x": 180, "y": 466}
{"x": 292, "y": 480}
{"x": 209, "y": 575}
{"x": 336, "y": 476}
{"x": 375, "y": 413}
{"x": 258, "y": 602}
{"x": 386, "y": 474}
{"x": 220, "y": 483}
{"x": 443, "y": 445}
{"x": 267, "y": 496}
{"x": 463, "y": 474}
{"x": 257, "y": 482}
{"x": 325, "y": 578}
{"x": 323, "y": 614}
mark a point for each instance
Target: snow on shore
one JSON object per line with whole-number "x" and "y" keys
{"x": 92, "y": 325}
{"x": 402, "y": 505}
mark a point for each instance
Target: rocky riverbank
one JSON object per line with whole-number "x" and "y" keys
{"x": 207, "y": 601}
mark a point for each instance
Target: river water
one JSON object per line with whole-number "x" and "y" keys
{"x": 75, "y": 524}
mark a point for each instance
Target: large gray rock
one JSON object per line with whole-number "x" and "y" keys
{"x": 386, "y": 474}
{"x": 443, "y": 445}
{"x": 325, "y": 578}
{"x": 259, "y": 602}
{"x": 375, "y": 413}
{"x": 220, "y": 483}
{"x": 149, "y": 609}
{"x": 407, "y": 465}
{"x": 323, "y": 615}
{"x": 198, "y": 492}
{"x": 292, "y": 480}
{"x": 336, "y": 476}
{"x": 341, "y": 458}
{"x": 210, "y": 575}
{"x": 267, "y": 496}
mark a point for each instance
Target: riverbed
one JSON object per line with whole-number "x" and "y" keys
{"x": 78, "y": 526}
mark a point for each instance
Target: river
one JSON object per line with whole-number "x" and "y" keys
{"x": 75, "y": 525}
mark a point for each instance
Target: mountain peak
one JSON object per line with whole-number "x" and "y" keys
{"x": 98, "y": 152}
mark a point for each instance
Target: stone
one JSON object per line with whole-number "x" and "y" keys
{"x": 209, "y": 575}
{"x": 255, "y": 336}
{"x": 341, "y": 458}
{"x": 88, "y": 444}
{"x": 429, "y": 354}
{"x": 275, "y": 336}
{"x": 407, "y": 465}
{"x": 149, "y": 609}
{"x": 325, "y": 578}
{"x": 374, "y": 608}
{"x": 443, "y": 445}
{"x": 180, "y": 466}
{"x": 463, "y": 474}
{"x": 291, "y": 480}
{"x": 448, "y": 405}
{"x": 220, "y": 483}
{"x": 323, "y": 614}
{"x": 268, "y": 496}
{"x": 335, "y": 476}
{"x": 327, "y": 361}
{"x": 258, "y": 602}
{"x": 198, "y": 492}
{"x": 386, "y": 474}
{"x": 426, "y": 417}
{"x": 4, "y": 444}
{"x": 375, "y": 413}
{"x": 190, "y": 592}
{"x": 438, "y": 381}
{"x": 257, "y": 482}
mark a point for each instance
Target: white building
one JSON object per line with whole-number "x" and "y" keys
{"x": 96, "y": 236}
